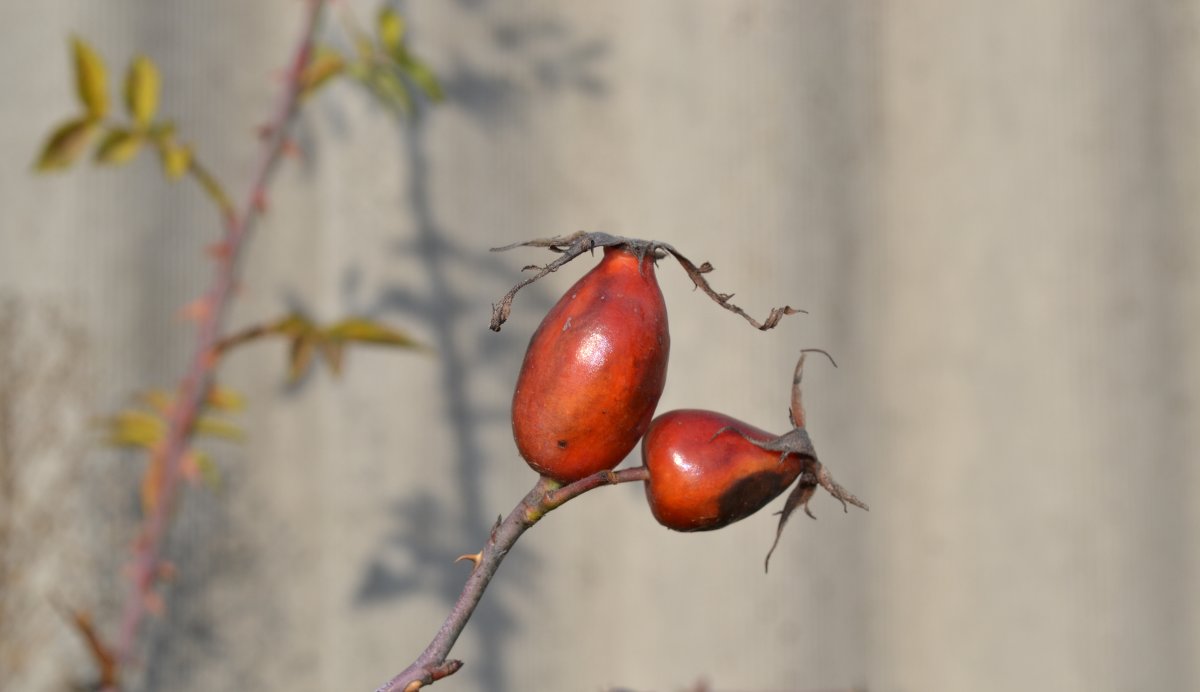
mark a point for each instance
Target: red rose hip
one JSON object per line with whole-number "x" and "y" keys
{"x": 705, "y": 470}
{"x": 594, "y": 370}
{"x": 701, "y": 480}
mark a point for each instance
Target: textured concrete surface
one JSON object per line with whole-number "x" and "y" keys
{"x": 988, "y": 209}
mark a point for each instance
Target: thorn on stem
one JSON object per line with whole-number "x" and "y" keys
{"x": 473, "y": 557}
{"x": 291, "y": 149}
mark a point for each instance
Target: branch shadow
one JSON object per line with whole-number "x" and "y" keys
{"x": 429, "y": 534}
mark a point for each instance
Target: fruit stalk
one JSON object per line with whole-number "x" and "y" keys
{"x": 433, "y": 664}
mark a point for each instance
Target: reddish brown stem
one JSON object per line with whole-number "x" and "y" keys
{"x": 193, "y": 388}
{"x": 546, "y": 495}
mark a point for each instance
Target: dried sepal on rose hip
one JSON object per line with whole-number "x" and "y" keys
{"x": 574, "y": 245}
{"x": 596, "y": 365}
{"x": 708, "y": 470}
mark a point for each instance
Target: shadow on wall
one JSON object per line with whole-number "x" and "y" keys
{"x": 429, "y": 532}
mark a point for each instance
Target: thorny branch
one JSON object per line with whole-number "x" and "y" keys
{"x": 433, "y": 664}
{"x": 574, "y": 245}
{"x": 193, "y": 389}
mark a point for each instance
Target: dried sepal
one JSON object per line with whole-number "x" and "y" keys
{"x": 796, "y": 441}
{"x": 571, "y": 246}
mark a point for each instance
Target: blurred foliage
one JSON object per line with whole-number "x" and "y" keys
{"x": 120, "y": 141}
{"x": 144, "y": 427}
{"x": 382, "y": 63}
{"x": 307, "y": 340}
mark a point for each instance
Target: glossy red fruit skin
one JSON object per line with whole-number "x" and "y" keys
{"x": 594, "y": 370}
{"x": 698, "y": 483}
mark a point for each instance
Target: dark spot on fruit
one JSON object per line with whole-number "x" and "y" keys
{"x": 562, "y": 444}
{"x": 748, "y": 495}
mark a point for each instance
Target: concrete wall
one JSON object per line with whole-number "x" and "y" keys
{"x": 987, "y": 208}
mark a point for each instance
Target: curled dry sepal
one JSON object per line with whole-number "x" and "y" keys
{"x": 574, "y": 245}
{"x": 796, "y": 441}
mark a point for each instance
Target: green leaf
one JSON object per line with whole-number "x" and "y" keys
{"x": 367, "y": 331}
{"x": 91, "y": 79}
{"x": 422, "y": 76}
{"x": 326, "y": 64}
{"x": 65, "y": 144}
{"x": 390, "y": 27}
{"x": 118, "y": 147}
{"x": 141, "y": 91}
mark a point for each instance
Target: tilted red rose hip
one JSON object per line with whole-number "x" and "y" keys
{"x": 594, "y": 370}
{"x": 701, "y": 480}
{"x": 708, "y": 470}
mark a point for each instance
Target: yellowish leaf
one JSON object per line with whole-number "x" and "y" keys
{"x": 391, "y": 29}
{"x": 225, "y": 399}
{"x": 118, "y": 147}
{"x": 301, "y": 356}
{"x": 163, "y": 133}
{"x": 176, "y": 159}
{"x": 423, "y": 77}
{"x": 389, "y": 89}
{"x": 293, "y": 325}
{"x": 325, "y": 64}
{"x": 369, "y": 331}
{"x": 363, "y": 47}
{"x": 197, "y": 466}
{"x": 333, "y": 351}
{"x": 215, "y": 427}
{"x": 135, "y": 428}
{"x": 91, "y": 79}
{"x": 65, "y": 144}
{"x": 141, "y": 91}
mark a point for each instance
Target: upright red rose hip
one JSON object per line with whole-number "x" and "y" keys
{"x": 594, "y": 370}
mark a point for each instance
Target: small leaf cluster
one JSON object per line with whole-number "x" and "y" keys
{"x": 145, "y": 426}
{"x": 382, "y": 63}
{"x": 116, "y": 142}
{"x": 308, "y": 340}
